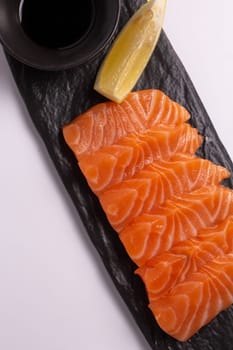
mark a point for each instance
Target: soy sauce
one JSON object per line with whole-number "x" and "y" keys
{"x": 56, "y": 23}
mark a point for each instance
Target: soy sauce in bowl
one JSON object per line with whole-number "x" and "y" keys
{"x": 56, "y": 24}
{"x": 57, "y": 34}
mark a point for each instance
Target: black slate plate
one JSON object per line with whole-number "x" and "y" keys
{"x": 53, "y": 99}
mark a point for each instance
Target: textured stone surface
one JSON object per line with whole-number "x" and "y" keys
{"x": 54, "y": 99}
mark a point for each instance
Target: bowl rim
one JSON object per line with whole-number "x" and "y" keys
{"x": 61, "y": 65}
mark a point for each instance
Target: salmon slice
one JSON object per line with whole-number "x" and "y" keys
{"x": 196, "y": 301}
{"x": 176, "y": 220}
{"x": 105, "y": 123}
{"x": 163, "y": 272}
{"x": 150, "y": 187}
{"x": 113, "y": 164}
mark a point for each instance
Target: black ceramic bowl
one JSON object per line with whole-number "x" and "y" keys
{"x": 19, "y": 45}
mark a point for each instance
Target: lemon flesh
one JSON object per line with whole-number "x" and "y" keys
{"x": 131, "y": 51}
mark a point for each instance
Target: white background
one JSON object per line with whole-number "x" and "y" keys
{"x": 54, "y": 291}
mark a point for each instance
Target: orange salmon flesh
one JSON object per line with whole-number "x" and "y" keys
{"x": 168, "y": 206}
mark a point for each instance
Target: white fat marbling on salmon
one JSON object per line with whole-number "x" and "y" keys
{"x": 186, "y": 257}
{"x": 167, "y": 205}
{"x": 133, "y": 152}
{"x": 204, "y": 294}
{"x": 105, "y": 123}
{"x": 180, "y": 219}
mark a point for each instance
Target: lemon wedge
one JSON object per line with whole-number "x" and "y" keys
{"x": 131, "y": 51}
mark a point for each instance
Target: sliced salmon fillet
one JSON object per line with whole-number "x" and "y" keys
{"x": 164, "y": 271}
{"x": 176, "y": 220}
{"x": 155, "y": 183}
{"x": 112, "y": 164}
{"x": 173, "y": 217}
{"x": 196, "y": 301}
{"x": 105, "y": 123}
